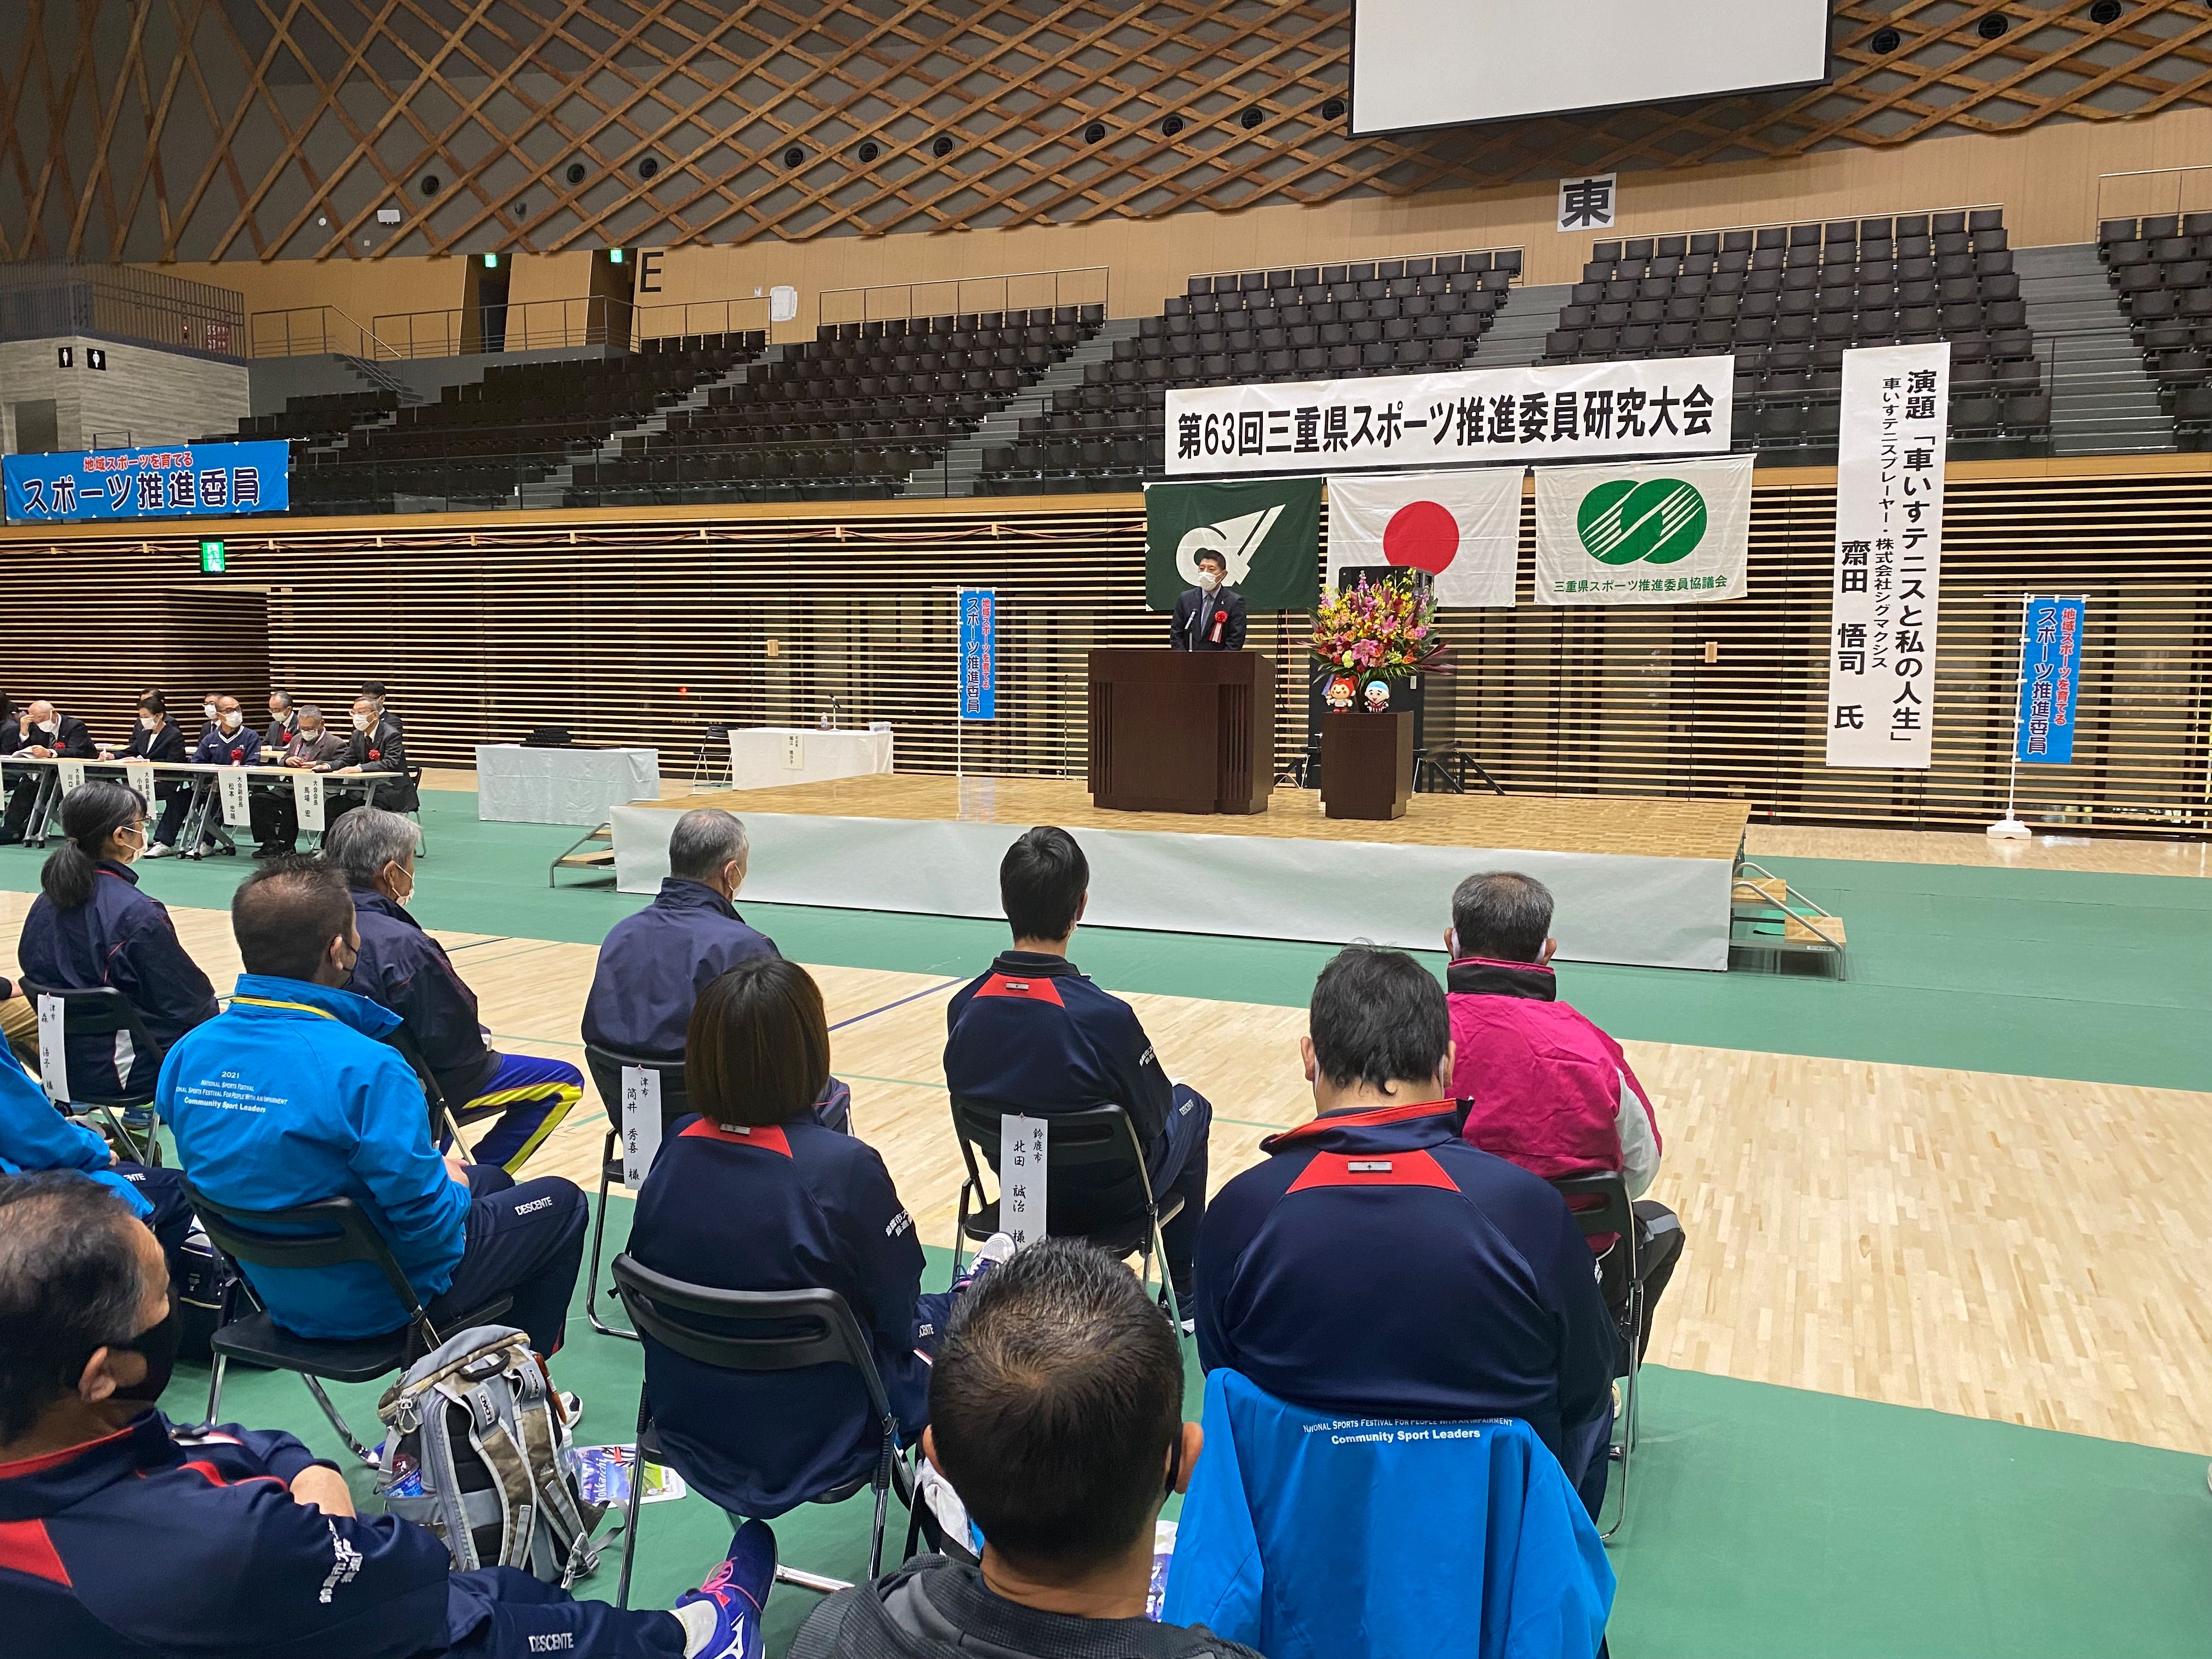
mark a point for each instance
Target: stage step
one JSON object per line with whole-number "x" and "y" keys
{"x": 594, "y": 852}
{"x": 1760, "y": 901}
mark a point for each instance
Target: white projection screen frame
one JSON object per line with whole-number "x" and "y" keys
{"x": 1422, "y": 63}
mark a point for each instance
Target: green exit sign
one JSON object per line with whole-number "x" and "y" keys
{"x": 213, "y": 557}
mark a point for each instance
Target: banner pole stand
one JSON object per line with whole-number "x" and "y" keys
{"x": 2009, "y": 828}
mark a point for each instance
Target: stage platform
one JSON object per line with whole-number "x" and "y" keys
{"x": 1640, "y": 882}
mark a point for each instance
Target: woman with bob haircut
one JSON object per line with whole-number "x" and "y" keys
{"x": 754, "y": 1193}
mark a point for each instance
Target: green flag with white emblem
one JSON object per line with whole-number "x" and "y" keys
{"x": 1667, "y": 533}
{"x": 1268, "y": 530}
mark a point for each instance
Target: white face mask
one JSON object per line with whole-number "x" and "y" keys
{"x": 360, "y": 722}
{"x": 309, "y": 735}
{"x": 233, "y": 721}
{"x": 207, "y": 708}
{"x": 1207, "y": 580}
{"x": 151, "y": 722}
{"x": 406, "y": 897}
{"x": 50, "y": 726}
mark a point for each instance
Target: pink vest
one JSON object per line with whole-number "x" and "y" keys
{"x": 1544, "y": 1082}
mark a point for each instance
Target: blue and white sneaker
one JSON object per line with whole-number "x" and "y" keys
{"x": 735, "y": 1592}
{"x": 996, "y": 1248}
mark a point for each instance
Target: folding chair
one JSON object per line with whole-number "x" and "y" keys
{"x": 324, "y": 1233}
{"x": 1609, "y": 1211}
{"x": 444, "y": 1128}
{"x": 758, "y": 1331}
{"x": 1101, "y": 1143}
{"x": 605, "y": 1066}
{"x": 100, "y": 1010}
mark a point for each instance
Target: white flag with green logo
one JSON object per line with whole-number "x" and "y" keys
{"x": 1664, "y": 533}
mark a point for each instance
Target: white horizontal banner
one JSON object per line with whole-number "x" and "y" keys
{"x": 1615, "y": 411}
{"x": 1665, "y": 532}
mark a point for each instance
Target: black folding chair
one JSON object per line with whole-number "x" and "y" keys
{"x": 101, "y": 1010}
{"x": 1600, "y": 1203}
{"x": 444, "y": 1128}
{"x": 758, "y": 1331}
{"x": 324, "y": 1233}
{"x": 1100, "y": 1142}
{"x": 606, "y": 1068}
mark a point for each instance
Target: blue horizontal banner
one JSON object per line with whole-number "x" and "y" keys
{"x": 181, "y": 481}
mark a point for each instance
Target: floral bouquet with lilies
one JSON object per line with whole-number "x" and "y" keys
{"x": 1379, "y": 631}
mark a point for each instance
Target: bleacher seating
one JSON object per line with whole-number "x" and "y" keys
{"x": 322, "y": 415}
{"x": 1788, "y": 301}
{"x": 853, "y": 412}
{"x": 1375, "y": 316}
{"x": 2161, "y": 265}
{"x": 482, "y": 440}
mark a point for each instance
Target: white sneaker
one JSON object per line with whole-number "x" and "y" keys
{"x": 995, "y": 1248}
{"x": 161, "y": 850}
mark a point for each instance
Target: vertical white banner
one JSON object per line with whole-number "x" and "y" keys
{"x": 308, "y": 800}
{"x": 1889, "y": 557}
{"x": 72, "y": 776}
{"x": 1022, "y": 1146}
{"x": 237, "y": 798}
{"x": 641, "y": 1119}
{"x": 53, "y": 1054}
{"x": 140, "y": 776}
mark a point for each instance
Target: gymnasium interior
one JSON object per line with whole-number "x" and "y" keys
{"x": 660, "y": 378}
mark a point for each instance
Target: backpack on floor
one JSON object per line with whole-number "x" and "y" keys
{"x": 205, "y": 1283}
{"x": 472, "y": 1451}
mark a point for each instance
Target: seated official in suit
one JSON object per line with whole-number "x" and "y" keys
{"x": 754, "y": 1193}
{"x": 283, "y": 721}
{"x": 1545, "y": 1088}
{"x": 156, "y": 737}
{"x": 1376, "y": 1264}
{"x": 312, "y": 747}
{"x": 127, "y": 1535}
{"x": 374, "y": 746}
{"x": 44, "y": 733}
{"x": 91, "y": 925}
{"x": 1211, "y": 616}
{"x": 385, "y": 714}
{"x": 34, "y": 1136}
{"x": 339, "y": 1114}
{"x": 1034, "y": 1036}
{"x": 403, "y": 969}
{"x": 1056, "y": 1412}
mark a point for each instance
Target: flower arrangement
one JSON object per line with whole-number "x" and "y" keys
{"x": 1385, "y": 631}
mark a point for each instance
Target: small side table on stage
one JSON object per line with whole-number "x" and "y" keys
{"x": 1366, "y": 764}
{"x": 1182, "y": 731}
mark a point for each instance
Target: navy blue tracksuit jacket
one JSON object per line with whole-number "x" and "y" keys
{"x": 654, "y": 964}
{"x": 123, "y": 938}
{"x": 404, "y": 970}
{"x": 1378, "y": 1265}
{"x": 146, "y": 1543}
{"x": 789, "y": 1206}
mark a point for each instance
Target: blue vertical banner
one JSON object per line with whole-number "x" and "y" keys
{"x": 2050, "y": 680}
{"x": 979, "y": 647}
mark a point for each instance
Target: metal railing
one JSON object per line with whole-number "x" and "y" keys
{"x": 519, "y": 326}
{"x": 311, "y": 330}
{"x": 1025, "y": 290}
{"x": 1432, "y": 254}
{"x": 2153, "y": 189}
{"x": 677, "y": 319}
{"x": 1618, "y": 235}
{"x": 39, "y": 299}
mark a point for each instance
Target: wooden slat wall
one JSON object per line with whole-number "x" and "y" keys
{"x": 643, "y": 629}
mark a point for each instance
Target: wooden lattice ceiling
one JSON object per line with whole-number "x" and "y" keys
{"x": 224, "y": 129}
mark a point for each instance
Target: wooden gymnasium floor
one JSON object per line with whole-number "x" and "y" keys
{"x": 1560, "y": 824}
{"x": 2023, "y": 1249}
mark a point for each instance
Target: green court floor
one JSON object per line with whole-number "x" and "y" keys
{"x": 1764, "y": 1519}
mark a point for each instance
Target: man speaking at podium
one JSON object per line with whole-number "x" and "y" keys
{"x": 1210, "y": 616}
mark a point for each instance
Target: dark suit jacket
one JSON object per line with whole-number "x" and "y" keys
{"x": 72, "y": 742}
{"x": 1185, "y": 634}
{"x": 381, "y": 751}
{"x": 166, "y": 744}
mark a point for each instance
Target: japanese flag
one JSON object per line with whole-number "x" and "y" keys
{"x": 1463, "y": 528}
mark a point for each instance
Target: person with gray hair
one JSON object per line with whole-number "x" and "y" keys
{"x": 1545, "y": 1088}
{"x": 653, "y": 964}
{"x": 404, "y": 970}
{"x": 309, "y": 746}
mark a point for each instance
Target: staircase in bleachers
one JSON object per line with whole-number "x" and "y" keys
{"x": 1376, "y": 316}
{"x": 2161, "y": 268}
{"x": 1788, "y": 301}
{"x": 2104, "y": 401}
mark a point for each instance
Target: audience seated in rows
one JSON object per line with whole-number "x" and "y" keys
{"x": 1032, "y": 1034}
{"x": 309, "y": 746}
{"x": 1055, "y": 1410}
{"x": 400, "y": 967}
{"x": 35, "y": 1136}
{"x": 756, "y": 1193}
{"x": 1546, "y": 1089}
{"x": 43, "y": 732}
{"x": 127, "y": 1535}
{"x": 1375, "y": 1264}
{"x": 91, "y": 925}
{"x": 290, "y": 1096}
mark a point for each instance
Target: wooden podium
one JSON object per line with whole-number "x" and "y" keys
{"x": 1182, "y": 731}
